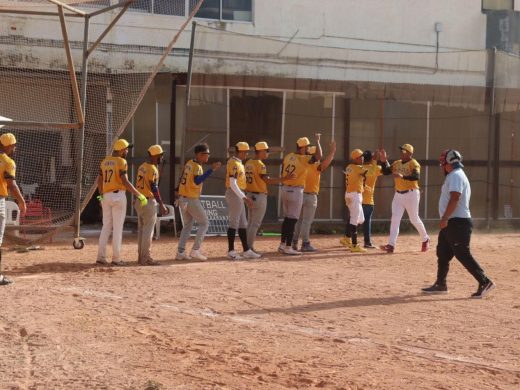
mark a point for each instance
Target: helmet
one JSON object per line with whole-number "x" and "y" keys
{"x": 7, "y": 139}
{"x": 450, "y": 156}
{"x": 122, "y": 144}
{"x": 155, "y": 150}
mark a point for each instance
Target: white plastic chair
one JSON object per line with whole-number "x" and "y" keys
{"x": 12, "y": 214}
{"x": 168, "y": 217}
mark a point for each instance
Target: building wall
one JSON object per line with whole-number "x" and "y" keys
{"x": 338, "y": 23}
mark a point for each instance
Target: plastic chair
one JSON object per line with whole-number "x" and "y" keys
{"x": 12, "y": 215}
{"x": 168, "y": 217}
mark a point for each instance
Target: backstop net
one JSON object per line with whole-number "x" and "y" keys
{"x": 40, "y": 97}
{"x": 254, "y": 88}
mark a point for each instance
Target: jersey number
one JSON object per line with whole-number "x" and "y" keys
{"x": 184, "y": 178}
{"x": 108, "y": 175}
{"x": 140, "y": 182}
{"x": 249, "y": 177}
{"x": 289, "y": 169}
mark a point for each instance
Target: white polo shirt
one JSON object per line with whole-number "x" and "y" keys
{"x": 456, "y": 181}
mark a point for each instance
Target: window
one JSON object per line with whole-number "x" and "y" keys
{"x": 161, "y": 7}
{"x": 232, "y": 10}
{"x": 497, "y": 5}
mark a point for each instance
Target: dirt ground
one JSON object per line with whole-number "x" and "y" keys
{"x": 328, "y": 320}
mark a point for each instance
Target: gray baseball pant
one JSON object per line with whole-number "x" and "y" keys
{"x": 192, "y": 211}
{"x": 303, "y": 226}
{"x": 146, "y": 218}
{"x": 236, "y": 210}
{"x": 292, "y": 201}
{"x": 256, "y": 216}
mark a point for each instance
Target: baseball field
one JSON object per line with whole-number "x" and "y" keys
{"x": 331, "y": 320}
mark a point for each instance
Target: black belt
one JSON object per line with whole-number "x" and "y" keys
{"x": 115, "y": 192}
{"x": 404, "y": 192}
{"x": 256, "y": 193}
{"x": 311, "y": 193}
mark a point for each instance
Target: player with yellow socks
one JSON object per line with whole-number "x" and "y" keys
{"x": 355, "y": 182}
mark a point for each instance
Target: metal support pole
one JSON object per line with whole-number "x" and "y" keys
{"x": 78, "y": 241}
{"x": 491, "y": 125}
{"x": 188, "y": 95}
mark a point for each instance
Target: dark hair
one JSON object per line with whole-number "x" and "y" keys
{"x": 201, "y": 148}
{"x": 367, "y": 155}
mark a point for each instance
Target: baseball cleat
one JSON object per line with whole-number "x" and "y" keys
{"x": 101, "y": 262}
{"x": 425, "y": 245}
{"x": 483, "y": 290}
{"x": 369, "y": 246}
{"x": 290, "y": 251}
{"x": 250, "y": 254}
{"x": 387, "y": 248}
{"x": 182, "y": 256}
{"x": 233, "y": 255}
{"x": 346, "y": 242}
{"x": 357, "y": 249}
{"x": 435, "y": 289}
{"x": 118, "y": 263}
{"x": 197, "y": 255}
{"x": 307, "y": 247}
{"x": 4, "y": 281}
{"x": 281, "y": 248}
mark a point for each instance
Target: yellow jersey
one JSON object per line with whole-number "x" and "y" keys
{"x": 312, "y": 182}
{"x": 373, "y": 172}
{"x": 255, "y": 169}
{"x": 406, "y": 169}
{"x": 355, "y": 178}
{"x": 297, "y": 164}
{"x": 7, "y": 171}
{"x": 146, "y": 175}
{"x": 111, "y": 170}
{"x": 235, "y": 169}
{"x": 187, "y": 186}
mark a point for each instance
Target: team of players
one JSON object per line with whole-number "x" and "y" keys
{"x": 246, "y": 185}
{"x": 246, "y": 182}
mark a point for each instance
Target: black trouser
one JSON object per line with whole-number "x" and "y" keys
{"x": 368, "y": 210}
{"x": 454, "y": 240}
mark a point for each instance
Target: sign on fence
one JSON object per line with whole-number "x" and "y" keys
{"x": 216, "y": 210}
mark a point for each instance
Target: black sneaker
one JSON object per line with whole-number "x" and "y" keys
{"x": 435, "y": 289}
{"x": 483, "y": 289}
{"x": 369, "y": 245}
{"x": 4, "y": 281}
{"x": 307, "y": 247}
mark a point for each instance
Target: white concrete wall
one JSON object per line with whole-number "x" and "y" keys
{"x": 368, "y": 24}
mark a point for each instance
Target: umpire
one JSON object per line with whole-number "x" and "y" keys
{"x": 456, "y": 227}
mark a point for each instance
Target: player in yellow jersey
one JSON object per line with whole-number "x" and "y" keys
{"x": 373, "y": 172}
{"x": 295, "y": 164}
{"x": 257, "y": 180}
{"x": 355, "y": 183}
{"x": 147, "y": 182}
{"x": 189, "y": 190}
{"x": 235, "y": 199}
{"x": 112, "y": 186}
{"x": 7, "y": 184}
{"x": 310, "y": 197}
{"x": 406, "y": 172}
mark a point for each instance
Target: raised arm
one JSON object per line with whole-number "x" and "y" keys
{"x": 326, "y": 163}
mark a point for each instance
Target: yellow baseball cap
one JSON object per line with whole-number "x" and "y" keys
{"x": 311, "y": 150}
{"x": 155, "y": 150}
{"x": 303, "y": 141}
{"x": 356, "y": 153}
{"x": 7, "y": 139}
{"x": 242, "y": 147}
{"x": 261, "y": 146}
{"x": 121, "y": 144}
{"x": 407, "y": 147}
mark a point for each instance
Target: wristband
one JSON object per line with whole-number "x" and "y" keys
{"x": 99, "y": 197}
{"x": 142, "y": 199}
